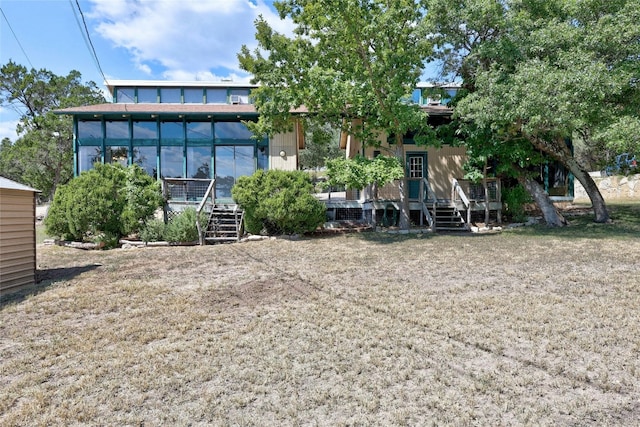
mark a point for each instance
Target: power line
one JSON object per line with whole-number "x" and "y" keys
{"x": 87, "y": 38}
{"x": 16, "y": 37}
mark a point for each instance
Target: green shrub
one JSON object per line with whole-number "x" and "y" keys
{"x": 278, "y": 202}
{"x": 109, "y": 199}
{"x": 514, "y": 200}
{"x": 153, "y": 231}
{"x": 182, "y": 228}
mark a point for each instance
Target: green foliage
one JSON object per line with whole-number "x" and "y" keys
{"x": 278, "y": 202}
{"x": 182, "y": 228}
{"x": 514, "y": 200}
{"x": 153, "y": 231}
{"x": 42, "y": 157}
{"x": 359, "y": 172}
{"x": 108, "y": 199}
{"x": 322, "y": 143}
{"x": 348, "y": 59}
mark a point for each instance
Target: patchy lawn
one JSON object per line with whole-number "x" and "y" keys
{"x": 522, "y": 327}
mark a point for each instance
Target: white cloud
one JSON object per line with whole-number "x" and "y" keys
{"x": 185, "y": 38}
{"x": 7, "y": 125}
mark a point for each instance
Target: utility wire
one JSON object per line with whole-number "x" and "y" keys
{"x": 16, "y": 37}
{"x": 87, "y": 38}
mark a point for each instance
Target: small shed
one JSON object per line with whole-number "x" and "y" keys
{"x": 17, "y": 235}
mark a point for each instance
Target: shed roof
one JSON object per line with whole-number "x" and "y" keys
{"x": 12, "y": 185}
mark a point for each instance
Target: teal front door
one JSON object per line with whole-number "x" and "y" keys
{"x": 416, "y": 170}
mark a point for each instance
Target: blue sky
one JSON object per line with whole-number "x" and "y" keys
{"x": 133, "y": 39}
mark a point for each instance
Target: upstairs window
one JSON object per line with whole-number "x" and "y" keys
{"x": 216, "y": 96}
{"x": 125, "y": 95}
{"x": 170, "y": 95}
{"x": 193, "y": 95}
{"x": 239, "y": 96}
{"x": 147, "y": 95}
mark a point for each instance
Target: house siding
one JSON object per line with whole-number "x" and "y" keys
{"x": 17, "y": 239}
{"x": 287, "y": 142}
{"x": 443, "y": 164}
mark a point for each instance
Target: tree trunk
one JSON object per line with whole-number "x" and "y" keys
{"x": 552, "y": 217}
{"x": 403, "y": 188}
{"x": 559, "y": 150}
{"x": 600, "y": 210}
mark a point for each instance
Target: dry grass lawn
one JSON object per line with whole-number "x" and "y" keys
{"x": 524, "y": 327}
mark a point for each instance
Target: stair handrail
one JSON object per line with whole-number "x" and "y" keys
{"x": 457, "y": 189}
{"x": 428, "y": 194}
{"x": 211, "y": 192}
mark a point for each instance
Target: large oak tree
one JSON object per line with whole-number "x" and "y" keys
{"x": 545, "y": 71}
{"x": 350, "y": 61}
{"x": 42, "y": 156}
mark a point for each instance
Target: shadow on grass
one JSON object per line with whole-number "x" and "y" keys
{"x": 625, "y": 224}
{"x": 44, "y": 279}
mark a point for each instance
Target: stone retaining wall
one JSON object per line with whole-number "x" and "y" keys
{"x": 615, "y": 187}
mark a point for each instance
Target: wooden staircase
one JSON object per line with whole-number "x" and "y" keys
{"x": 225, "y": 224}
{"x": 448, "y": 218}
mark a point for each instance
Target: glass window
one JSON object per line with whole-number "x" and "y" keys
{"x": 145, "y": 130}
{"x": 90, "y": 129}
{"x": 263, "y": 157}
{"x": 239, "y": 96}
{"x": 87, "y": 156}
{"x": 199, "y": 162}
{"x": 145, "y": 157}
{"x": 171, "y": 130}
{"x": 116, "y": 154}
{"x": 125, "y": 95}
{"x": 216, "y": 96}
{"x": 232, "y": 130}
{"x": 415, "y": 96}
{"x": 147, "y": 95}
{"x": 232, "y": 162}
{"x": 198, "y": 130}
{"x": 117, "y": 129}
{"x": 171, "y": 161}
{"x": 170, "y": 95}
{"x": 193, "y": 95}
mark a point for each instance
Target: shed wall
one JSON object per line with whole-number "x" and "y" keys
{"x": 17, "y": 239}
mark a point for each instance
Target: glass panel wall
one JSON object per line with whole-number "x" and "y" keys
{"x": 232, "y": 162}
{"x": 216, "y": 96}
{"x": 90, "y": 129}
{"x": 116, "y": 154}
{"x": 232, "y": 130}
{"x": 193, "y": 95}
{"x": 170, "y": 95}
{"x": 147, "y": 95}
{"x": 88, "y": 155}
{"x": 145, "y": 146}
{"x": 171, "y": 161}
{"x": 117, "y": 129}
{"x": 146, "y": 158}
{"x": 125, "y": 95}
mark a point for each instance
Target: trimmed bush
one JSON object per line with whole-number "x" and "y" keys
{"x": 278, "y": 202}
{"x": 108, "y": 200}
{"x": 182, "y": 228}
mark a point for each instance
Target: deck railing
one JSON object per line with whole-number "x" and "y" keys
{"x": 184, "y": 189}
{"x": 457, "y": 193}
{"x": 209, "y": 194}
{"x": 428, "y": 196}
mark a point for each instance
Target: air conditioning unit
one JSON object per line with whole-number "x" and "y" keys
{"x": 236, "y": 99}
{"x": 434, "y": 100}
